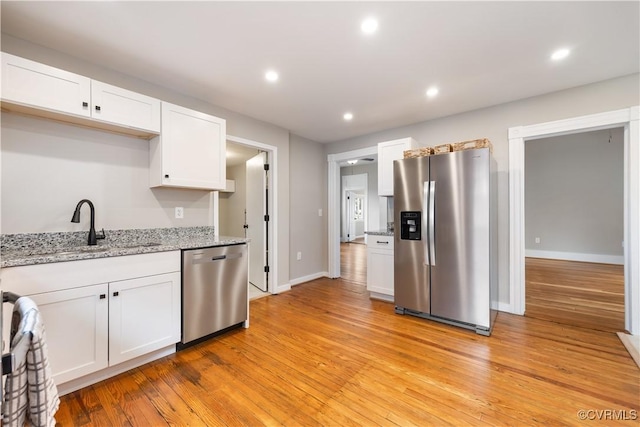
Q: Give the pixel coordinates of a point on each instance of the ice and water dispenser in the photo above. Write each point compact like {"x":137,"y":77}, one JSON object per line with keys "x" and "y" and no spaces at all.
{"x":410,"y":225}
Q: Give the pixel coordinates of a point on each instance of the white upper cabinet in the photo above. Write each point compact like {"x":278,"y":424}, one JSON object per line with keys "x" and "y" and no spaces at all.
{"x":41,"y":90}
{"x":32,"y":84}
{"x":388,"y":152}
{"x":116,"y":105}
{"x":190,"y":151}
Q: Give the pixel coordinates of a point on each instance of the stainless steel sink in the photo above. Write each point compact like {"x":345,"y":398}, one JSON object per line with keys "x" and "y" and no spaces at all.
{"x":80,"y":251}
{"x":88,"y":250}
{"x":143,"y":245}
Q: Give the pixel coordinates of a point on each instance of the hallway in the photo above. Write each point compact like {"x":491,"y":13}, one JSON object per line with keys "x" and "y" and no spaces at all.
{"x":353,"y":262}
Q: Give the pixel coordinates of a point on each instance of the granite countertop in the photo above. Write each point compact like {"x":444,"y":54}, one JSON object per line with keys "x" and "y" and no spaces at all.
{"x":379,"y":233}
{"x":42,"y":248}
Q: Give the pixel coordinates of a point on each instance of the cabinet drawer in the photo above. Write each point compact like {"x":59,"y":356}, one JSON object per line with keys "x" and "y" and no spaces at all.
{"x":379,"y":242}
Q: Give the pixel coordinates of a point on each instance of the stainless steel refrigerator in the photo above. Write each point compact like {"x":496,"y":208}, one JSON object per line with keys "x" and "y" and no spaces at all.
{"x":445,"y":247}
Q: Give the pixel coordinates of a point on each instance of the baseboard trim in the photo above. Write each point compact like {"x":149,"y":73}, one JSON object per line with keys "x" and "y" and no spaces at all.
{"x":87,"y":380}
{"x":501,"y":306}
{"x":310,"y":277}
{"x":281,"y":288}
{"x":575,"y":256}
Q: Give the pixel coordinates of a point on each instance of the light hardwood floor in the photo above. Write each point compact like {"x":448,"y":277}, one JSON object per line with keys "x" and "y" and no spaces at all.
{"x":353,"y":262}
{"x":575,"y":293}
{"x":325,"y":354}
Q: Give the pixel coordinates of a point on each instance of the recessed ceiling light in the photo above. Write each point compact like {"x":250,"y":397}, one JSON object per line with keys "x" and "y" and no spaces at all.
{"x":271,"y":76}
{"x":560,"y":54}
{"x":369,"y":25}
{"x":432,"y":91}
{"x":347,"y":116}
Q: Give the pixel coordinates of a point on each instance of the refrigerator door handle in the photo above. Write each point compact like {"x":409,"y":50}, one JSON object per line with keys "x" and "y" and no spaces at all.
{"x":425,"y":216}
{"x":432,"y":222}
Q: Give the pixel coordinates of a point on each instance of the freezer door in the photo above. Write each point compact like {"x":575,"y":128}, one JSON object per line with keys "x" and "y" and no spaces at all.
{"x":411,"y":287}
{"x":460,"y":275}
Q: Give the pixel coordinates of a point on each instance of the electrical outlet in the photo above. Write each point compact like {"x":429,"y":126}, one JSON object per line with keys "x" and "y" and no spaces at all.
{"x":299,"y":256}
{"x":537,"y":240}
{"x":179,"y":212}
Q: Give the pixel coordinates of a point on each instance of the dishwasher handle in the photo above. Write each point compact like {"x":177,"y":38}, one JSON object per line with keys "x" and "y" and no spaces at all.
{"x":203,"y":260}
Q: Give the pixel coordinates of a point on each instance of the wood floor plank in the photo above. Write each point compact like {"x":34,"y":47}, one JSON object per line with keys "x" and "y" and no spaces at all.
{"x":582,"y":294}
{"x":353,"y":262}
{"x":324,"y":354}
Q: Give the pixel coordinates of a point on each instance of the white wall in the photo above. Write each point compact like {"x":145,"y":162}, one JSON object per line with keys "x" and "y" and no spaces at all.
{"x":308,"y":195}
{"x":494,"y":122}
{"x":233,"y":205}
{"x":574,"y":195}
{"x":128,"y":198}
{"x":47,"y":167}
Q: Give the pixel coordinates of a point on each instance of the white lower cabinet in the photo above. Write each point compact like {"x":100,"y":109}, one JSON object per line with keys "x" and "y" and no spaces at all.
{"x":76,"y":327}
{"x":144,"y":315}
{"x":132,"y":311}
{"x":380,"y":267}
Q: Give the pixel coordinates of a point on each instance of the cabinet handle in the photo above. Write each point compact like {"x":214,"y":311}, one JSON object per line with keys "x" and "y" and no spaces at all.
{"x":97,"y":108}
{"x":103,"y":296}
{"x":115,"y":294}
{"x":166,"y":175}
{"x":378,"y":241}
{"x":85,"y":104}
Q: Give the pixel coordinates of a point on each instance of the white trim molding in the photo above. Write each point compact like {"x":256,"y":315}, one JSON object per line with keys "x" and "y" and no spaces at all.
{"x":310,"y":277}
{"x":575,"y":256}
{"x":628,"y":118}
{"x":333,"y":190}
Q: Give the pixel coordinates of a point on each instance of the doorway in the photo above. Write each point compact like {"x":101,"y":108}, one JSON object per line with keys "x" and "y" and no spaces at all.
{"x":629,"y":119}
{"x":335,"y":163}
{"x":249,"y":211}
{"x":574,"y":267}
{"x":257,"y":219}
{"x":354,"y":209}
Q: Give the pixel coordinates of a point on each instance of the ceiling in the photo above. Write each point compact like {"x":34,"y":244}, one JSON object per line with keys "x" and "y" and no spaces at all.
{"x":477,"y":53}
{"x":238,"y":153}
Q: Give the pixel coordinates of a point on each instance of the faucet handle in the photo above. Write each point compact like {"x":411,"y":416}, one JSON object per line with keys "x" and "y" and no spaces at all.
{"x":98,"y":236}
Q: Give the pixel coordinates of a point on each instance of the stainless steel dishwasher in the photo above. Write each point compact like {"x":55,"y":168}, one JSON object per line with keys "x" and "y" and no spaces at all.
{"x":214,"y":291}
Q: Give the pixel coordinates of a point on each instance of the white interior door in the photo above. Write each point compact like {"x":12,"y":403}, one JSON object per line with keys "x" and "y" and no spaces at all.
{"x":256,"y":224}
{"x":355,"y":215}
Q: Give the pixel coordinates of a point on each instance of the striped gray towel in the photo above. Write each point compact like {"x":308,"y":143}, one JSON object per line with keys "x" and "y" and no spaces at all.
{"x":29,"y":390}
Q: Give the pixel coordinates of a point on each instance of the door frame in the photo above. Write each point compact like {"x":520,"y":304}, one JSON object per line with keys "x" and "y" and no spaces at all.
{"x":334,"y":202}
{"x":627,"y":118}
{"x":272,"y":155}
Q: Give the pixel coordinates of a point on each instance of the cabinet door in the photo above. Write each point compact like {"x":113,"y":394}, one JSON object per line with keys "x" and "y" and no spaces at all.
{"x":75,"y":322}
{"x":190,"y":152}
{"x":144,"y":315}
{"x":388,"y":152}
{"x":120,"y":106}
{"x":32,"y":84}
{"x":380,"y":271}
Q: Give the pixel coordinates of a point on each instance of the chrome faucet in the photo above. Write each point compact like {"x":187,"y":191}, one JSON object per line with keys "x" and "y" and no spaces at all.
{"x":92,"y":229}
